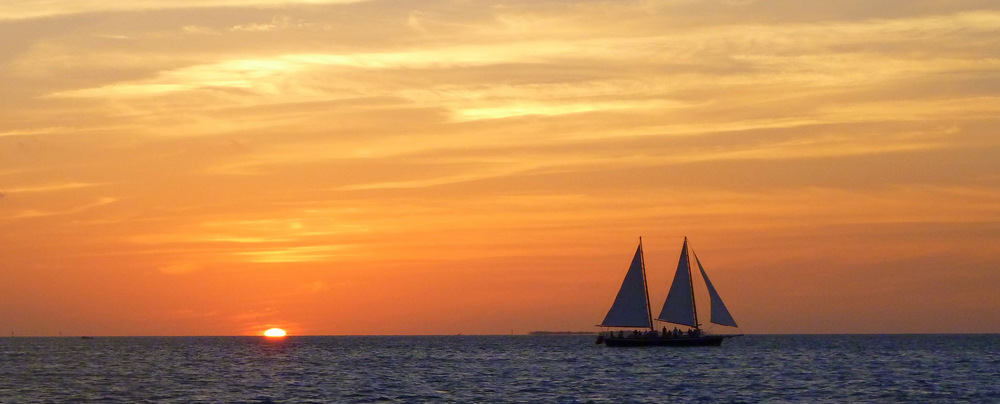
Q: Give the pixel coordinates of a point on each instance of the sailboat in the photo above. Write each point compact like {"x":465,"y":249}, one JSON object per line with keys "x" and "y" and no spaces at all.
{"x":631,"y":309}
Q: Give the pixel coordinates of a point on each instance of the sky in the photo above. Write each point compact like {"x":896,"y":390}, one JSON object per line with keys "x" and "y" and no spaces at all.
{"x":220,"y":167}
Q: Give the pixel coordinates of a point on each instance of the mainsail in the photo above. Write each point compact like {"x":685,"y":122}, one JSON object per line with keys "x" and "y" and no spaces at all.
{"x":720,"y":315}
{"x":679,"y":306}
{"x":631,"y":307}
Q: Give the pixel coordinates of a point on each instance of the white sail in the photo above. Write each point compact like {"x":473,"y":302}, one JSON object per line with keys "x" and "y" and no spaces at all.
{"x":720,"y":314}
{"x":679,"y":306}
{"x":631,"y":307}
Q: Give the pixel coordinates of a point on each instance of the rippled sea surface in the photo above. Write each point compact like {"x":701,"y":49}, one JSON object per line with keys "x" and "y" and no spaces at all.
{"x":809,"y":368}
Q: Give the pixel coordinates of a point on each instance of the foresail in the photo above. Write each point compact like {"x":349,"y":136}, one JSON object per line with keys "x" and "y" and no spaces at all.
{"x":631,"y":309}
{"x":679,"y":306}
{"x":720,"y":315}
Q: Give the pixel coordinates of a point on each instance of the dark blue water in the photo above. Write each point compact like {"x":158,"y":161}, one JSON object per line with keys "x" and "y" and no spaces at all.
{"x":839,"y":368}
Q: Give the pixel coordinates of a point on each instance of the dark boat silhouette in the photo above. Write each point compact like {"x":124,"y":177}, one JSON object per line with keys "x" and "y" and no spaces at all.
{"x":631,"y":309}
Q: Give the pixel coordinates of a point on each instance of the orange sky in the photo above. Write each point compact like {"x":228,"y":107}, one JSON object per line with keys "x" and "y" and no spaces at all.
{"x":219,"y":167}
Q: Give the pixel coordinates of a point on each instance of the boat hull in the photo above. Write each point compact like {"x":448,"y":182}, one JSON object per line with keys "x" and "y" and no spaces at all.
{"x":705,"y":340}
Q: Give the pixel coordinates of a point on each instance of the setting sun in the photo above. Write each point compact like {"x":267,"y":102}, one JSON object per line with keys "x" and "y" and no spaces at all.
{"x":274,"y":333}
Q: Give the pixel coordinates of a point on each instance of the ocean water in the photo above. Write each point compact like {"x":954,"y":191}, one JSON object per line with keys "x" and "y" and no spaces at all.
{"x":558,"y":368}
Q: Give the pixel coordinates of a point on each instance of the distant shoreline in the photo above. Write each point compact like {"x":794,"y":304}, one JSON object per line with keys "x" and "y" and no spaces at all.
{"x":561,"y":333}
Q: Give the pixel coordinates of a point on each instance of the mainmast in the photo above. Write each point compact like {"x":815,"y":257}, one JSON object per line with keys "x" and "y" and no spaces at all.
{"x":694,"y":307}
{"x":645,"y":285}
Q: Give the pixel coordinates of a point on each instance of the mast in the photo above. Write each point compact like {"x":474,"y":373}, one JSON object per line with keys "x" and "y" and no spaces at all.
{"x":645,"y":285}
{"x":694,"y":307}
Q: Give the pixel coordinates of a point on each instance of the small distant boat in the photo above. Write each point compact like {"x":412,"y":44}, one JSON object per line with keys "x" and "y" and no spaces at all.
{"x":631,"y":309}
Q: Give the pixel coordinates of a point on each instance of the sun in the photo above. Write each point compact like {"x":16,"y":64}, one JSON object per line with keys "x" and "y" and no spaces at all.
{"x":274,"y":333}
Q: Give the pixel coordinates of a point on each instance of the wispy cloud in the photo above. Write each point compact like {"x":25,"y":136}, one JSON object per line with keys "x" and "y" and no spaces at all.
{"x":34,"y":132}
{"x":52,"y":187}
{"x":21,"y":9}
{"x":795,"y":60}
{"x":298,"y":254}
{"x":36,"y":213}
